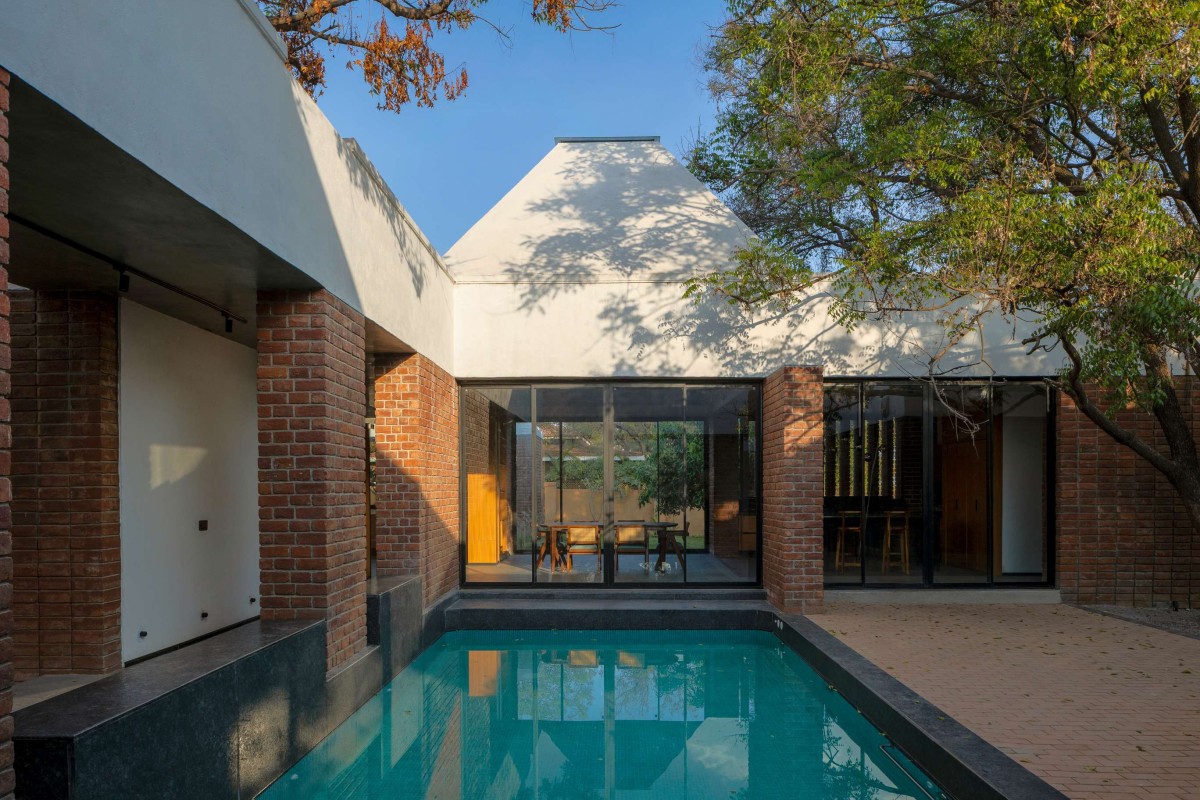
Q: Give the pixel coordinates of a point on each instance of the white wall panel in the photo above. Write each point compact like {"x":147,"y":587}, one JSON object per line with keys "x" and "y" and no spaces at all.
{"x":188,"y":452}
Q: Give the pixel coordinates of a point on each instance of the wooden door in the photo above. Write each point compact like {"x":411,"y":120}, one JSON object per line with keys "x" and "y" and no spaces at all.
{"x":964,"y":505}
{"x":483,"y":521}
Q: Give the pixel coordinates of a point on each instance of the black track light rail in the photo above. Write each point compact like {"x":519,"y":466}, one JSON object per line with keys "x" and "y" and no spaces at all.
{"x":125,"y":270}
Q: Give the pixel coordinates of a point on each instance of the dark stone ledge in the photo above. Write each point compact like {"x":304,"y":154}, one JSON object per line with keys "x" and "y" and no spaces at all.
{"x":218,"y":719}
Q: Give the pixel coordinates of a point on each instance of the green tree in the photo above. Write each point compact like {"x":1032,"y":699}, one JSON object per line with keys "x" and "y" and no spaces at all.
{"x":1038,"y":159}
{"x":671,"y":473}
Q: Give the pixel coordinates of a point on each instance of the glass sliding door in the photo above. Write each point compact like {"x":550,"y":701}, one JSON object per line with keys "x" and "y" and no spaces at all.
{"x":936,"y":483}
{"x":723,"y":496}
{"x":961,"y":501}
{"x":497,"y":440}
{"x":891,"y":482}
{"x":572,"y":472}
{"x":601,"y":483}
{"x":842,"y":452}
{"x":658,"y":483}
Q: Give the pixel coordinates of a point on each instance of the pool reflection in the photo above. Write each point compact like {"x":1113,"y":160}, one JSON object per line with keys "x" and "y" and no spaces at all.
{"x":543,"y":715}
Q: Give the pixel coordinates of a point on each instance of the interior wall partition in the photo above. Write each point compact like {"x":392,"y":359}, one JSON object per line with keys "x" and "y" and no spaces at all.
{"x":938,"y":483}
{"x":630,"y":483}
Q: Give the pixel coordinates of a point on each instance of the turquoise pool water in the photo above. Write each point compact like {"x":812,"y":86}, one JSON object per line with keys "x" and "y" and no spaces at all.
{"x":594,"y":715}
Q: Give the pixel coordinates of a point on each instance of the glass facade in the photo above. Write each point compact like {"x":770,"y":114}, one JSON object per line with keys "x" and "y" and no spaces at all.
{"x":626,"y":483}
{"x":940,"y":483}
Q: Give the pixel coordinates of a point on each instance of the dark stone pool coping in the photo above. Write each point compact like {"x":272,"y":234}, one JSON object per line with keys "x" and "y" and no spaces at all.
{"x":963,"y":764}
{"x":221,"y":718}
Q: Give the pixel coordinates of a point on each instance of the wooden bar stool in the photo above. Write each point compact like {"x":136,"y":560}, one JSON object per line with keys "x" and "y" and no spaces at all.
{"x":843,"y":557}
{"x":895,"y":548}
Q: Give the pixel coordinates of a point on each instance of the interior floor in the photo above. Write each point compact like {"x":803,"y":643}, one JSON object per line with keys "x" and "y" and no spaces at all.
{"x":701,"y":568}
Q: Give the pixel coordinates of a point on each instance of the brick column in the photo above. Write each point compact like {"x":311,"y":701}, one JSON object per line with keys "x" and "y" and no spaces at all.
{"x":416,"y":472}
{"x":66,"y":504}
{"x":792,"y":492}
{"x":312,"y":459}
{"x":1123,"y":536}
{"x":7,"y":778}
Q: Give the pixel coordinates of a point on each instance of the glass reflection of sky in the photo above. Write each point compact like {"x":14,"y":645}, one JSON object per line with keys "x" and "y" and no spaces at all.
{"x":580,"y":715}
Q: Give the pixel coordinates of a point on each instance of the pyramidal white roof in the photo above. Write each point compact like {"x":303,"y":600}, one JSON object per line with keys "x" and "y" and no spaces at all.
{"x":601,"y":210}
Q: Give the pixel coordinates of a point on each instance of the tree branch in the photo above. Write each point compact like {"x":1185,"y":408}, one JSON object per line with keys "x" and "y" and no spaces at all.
{"x":1078,"y":392}
{"x":1160,"y":127}
{"x":1169,"y":412}
{"x":321,"y":8}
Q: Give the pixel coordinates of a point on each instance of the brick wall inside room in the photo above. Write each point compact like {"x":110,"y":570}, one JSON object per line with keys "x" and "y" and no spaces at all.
{"x":792,"y":494}
{"x":416,"y":472}
{"x":66,"y":508}
{"x":1122,"y":536}
{"x":724,"y":499}
{"x":7,"y":778}
{"x":524,"y":505}
{"x":312,"y":465}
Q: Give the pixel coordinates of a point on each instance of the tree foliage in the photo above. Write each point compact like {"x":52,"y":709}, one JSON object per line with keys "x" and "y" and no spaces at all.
{"x":663,"y":462}
{"x":671,"y":474}
{"x":1038,"y":159}
{"x":391,"y":41}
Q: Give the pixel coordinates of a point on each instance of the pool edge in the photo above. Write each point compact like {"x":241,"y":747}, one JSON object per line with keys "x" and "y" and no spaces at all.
{"x":965,"y":765}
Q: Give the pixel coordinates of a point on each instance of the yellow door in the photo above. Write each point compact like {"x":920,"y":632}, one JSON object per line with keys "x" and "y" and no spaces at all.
{"x":483,"y":523}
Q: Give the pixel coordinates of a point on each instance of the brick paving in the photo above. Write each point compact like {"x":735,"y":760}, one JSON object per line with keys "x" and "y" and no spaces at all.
{"x":1098,"y":707}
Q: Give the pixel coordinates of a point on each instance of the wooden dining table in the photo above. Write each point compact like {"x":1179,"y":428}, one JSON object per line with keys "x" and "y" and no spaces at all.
{"x":666,"y":539}
{"x":548,"y":533}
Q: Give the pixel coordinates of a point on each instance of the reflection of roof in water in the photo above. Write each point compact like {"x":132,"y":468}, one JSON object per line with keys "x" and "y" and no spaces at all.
{"x":643,"y":748}
{"x":599,"y":211}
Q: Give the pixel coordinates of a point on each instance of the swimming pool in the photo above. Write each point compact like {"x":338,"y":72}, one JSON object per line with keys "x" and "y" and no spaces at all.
{"x":576,"y":715}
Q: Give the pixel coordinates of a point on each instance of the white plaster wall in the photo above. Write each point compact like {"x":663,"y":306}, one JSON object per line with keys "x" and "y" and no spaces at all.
{"x":195,"y":91}
{"x":188,"y":452}
{"x":648,"y":329}
{"x":1021,"y":496}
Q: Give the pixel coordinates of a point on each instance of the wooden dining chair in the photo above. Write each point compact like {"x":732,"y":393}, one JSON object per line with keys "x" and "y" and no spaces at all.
{"x":632,"y":537}
{"x":583,"y":540}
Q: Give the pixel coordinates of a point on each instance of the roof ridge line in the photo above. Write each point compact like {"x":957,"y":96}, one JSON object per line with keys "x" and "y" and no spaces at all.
{"x":586,"y":139}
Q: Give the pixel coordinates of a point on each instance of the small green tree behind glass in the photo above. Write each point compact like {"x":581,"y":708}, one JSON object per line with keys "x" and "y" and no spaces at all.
{"x":671,"y":476}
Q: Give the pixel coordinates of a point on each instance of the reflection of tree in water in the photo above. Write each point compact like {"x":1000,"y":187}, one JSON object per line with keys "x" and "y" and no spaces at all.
{"x":574,"y":782}
{"x":686,"y":675}
{"x":851,"y":777}
{"x":581,"y":692}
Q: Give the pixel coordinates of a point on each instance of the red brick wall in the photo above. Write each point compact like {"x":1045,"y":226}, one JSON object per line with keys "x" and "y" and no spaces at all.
{"x":6,"y":566}
{"x":1123,"y":537}
{"x":397,"y":495}
{"x":65,"y":506}
{"x":792,"y":494}
{"x":312,"y":458}
{"x":416,"y":471}
{"x":476,"y":449}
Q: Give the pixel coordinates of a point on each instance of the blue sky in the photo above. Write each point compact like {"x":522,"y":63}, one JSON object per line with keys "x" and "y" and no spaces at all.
{"x":450,"y":164}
